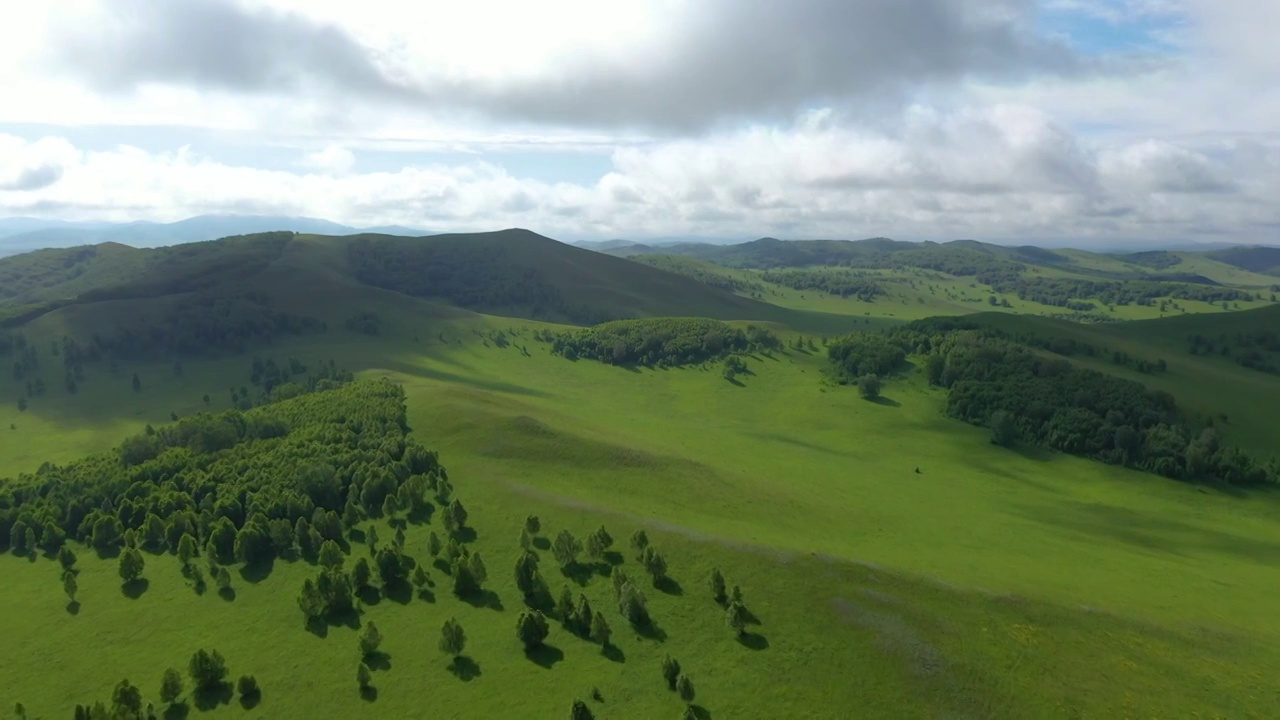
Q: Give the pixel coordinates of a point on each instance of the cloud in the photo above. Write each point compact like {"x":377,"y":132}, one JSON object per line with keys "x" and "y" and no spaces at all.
{"x":998,"y":172}
{"x":716,"y":59}
{"x":27,"y":166}
{"x":332,"y":158}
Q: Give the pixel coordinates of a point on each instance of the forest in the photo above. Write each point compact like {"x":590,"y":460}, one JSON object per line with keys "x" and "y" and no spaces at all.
{"x":835,"y":281}
{"x":36,"y":283}
{"x":1069,"y":292}
{"x":1026,"y":398}
{"x":660,"y":342}
{"x":1257,"y":350}
{"x":470,"y":275}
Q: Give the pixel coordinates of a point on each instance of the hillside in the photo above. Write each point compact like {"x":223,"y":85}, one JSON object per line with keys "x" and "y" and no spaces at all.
{"x":1264,"y":260}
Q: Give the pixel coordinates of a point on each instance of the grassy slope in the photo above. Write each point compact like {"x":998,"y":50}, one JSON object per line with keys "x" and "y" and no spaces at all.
{"x":753,"y":479}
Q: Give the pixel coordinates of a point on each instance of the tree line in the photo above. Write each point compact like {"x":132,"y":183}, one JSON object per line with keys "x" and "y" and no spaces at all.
{"x":659,"y":342}
{"x":1073,"y":293}
{"x":1024,"y":397}
{"x":833,"y":281}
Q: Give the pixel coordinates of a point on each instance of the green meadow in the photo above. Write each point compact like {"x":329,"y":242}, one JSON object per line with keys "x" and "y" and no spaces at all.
{"x":898,"y":564}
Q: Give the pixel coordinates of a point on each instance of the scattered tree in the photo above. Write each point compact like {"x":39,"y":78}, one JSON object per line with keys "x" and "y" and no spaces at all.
{"x":736,"y":616}
{"x":532,"y":525}
{"x":331,"y":555}
{"x":131,"y":564}
{"x":717,"y":586}
{"x":434,"y":546}
{"x":452,"y":638}
{"x":455,"y":517}
{"x":370,"y":640}
{"x":363,"y":677}
{"x":566,"y":548}
{"x":600,"y":631}
{"x":655,"y":565}
{"x":208,"y":670}
{"x":66,"y":558}
{"x":580,"y":711}
{"x":126,"y":701}
{"x":670,"y":671}
{"x":639,"y":541}
{"x":69,"y":585}
{"x":532,"y":629}
{"x":869,"y":386}
{"x":248,"y":688}
{"x":684,"y":686}
{"x":170,"y":686}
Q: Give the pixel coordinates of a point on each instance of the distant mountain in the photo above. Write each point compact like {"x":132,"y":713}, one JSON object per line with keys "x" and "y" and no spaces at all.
{"x":19,"y":235}
{"x":1257,"y":259}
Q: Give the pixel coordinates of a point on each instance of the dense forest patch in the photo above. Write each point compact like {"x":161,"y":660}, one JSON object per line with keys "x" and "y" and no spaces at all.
{"x":468,"y":274}
{"x":660,"y":342}
{"x":834,"y":281}
{"x":1025,"y":397}
{"x":1074,"y":293}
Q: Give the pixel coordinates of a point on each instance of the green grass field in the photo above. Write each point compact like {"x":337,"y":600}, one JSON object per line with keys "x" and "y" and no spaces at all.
{"x":900,"y":565}
{"x":992,"y":584}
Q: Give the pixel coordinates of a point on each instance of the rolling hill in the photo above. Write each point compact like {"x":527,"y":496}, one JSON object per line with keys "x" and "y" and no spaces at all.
{"x":895,"y":562}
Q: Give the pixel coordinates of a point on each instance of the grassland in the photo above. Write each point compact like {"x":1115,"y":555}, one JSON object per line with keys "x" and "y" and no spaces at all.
{"x":991,"y":584}
{"x":900,"y":565}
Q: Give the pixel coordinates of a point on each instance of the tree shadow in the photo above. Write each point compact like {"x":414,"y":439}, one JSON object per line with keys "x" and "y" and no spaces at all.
{"x":464,"y":668}
{"x":484,"y":599}
{"x":882,"y":400}
{"x":441,"y":564}
{"x":669,"y":586}
{"x":378,"y":661}
{"x":542,"y":543}
{"x":735,"y":382}
{"x":701,"y":712}
{"x":613,"y":557}
{"x":258,"y":571}
{"x":398,"y":591}
{"x":652,"y":631}
{"x":227,"y":593}
{"x":422,"y":515}
{"x":369,"y":693}
{"x":545,"y":655}
{"x":208,"y":699}
{"x":465,"y":535}
{"x":579,"y":573}
{"x":753,"y":641}
{"x":357,"y":536}
{"x":110,"y":553}
{"x":613,"y":653}
{"x":134,"y":588}
{"x":369,"y":595}
{"x":426,"y":595}
{"x":318,"y":627}
{"x":73,"y":607}
{"x":177,"y":711}
{"x":251,"y":701}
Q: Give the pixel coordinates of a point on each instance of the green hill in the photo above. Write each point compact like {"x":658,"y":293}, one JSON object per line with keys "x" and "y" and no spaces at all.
{"x":893,"y":561}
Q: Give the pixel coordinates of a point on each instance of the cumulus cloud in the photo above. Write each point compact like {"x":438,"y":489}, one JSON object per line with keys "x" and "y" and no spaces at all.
{"x":718,"y":58}
{"x":332,"y":158}
{"x":26,"y":167}
{"x":997,"y":172}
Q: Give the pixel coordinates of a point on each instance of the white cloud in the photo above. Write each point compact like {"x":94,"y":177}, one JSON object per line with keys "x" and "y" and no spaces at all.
{"x":333,"y":159}
{"x":998,"y":172}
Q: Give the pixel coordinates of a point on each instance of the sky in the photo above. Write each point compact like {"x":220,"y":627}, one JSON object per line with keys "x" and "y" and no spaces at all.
{"x":1001,"y":120}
